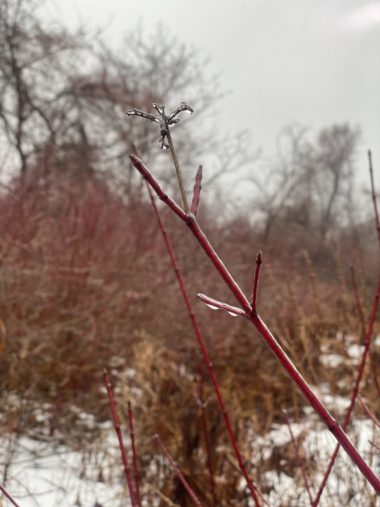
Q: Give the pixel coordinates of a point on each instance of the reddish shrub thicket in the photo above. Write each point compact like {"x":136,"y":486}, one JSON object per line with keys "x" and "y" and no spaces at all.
{"x":85,"y":284}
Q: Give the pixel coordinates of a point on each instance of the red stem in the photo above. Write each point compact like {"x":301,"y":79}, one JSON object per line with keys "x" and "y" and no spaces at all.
{"x":256,"y":280}
{"x":206,"y":358}
{"x":134,"y":455}
{"x":178,"y":472}
{"x":6,"y":494}
{"x":301,"y":463}
{"x":261,"y":327}
{"x":119,"y":434}
{"x":354,"y":393}
{"x":207,"y":443}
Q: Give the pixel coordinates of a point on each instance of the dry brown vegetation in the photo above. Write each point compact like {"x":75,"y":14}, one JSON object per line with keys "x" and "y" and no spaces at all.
{"x":86,"y":284}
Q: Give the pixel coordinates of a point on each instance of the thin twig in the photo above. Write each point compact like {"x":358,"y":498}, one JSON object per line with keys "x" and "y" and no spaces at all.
{"x":178,"y":171}
{"x":374,"y":445}
{"x":256,"y":280}
{"x":134,"y":454}
{"x":301,"y":463}
{"x":214,"y":304}
{"x":369,"y":412}
{"x":196,"y":191}
{"x":207,"y":443}
{"x":206,"y":358}
{"x":119,"y":434}
{"x":7,"y":495}
{"x":178,"y":472}
{"x":263,"y":330}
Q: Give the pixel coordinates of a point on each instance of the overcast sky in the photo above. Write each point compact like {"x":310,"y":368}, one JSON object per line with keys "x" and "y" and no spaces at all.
{"x":301,"y":61}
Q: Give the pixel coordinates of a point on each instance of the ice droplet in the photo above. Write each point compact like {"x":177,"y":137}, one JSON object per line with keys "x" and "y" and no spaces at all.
{"x":212,"y":307}
{"x":233,"y":314}
{"x":186,"y":108}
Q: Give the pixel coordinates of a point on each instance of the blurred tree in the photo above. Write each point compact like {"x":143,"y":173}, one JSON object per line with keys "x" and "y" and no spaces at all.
{"x":64,"y":93}
{"x":310,"y":184}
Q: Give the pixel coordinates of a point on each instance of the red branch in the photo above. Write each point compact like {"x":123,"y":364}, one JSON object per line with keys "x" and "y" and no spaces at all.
{"x":197,"y":191}
{"x":207,"y":443}
{"x":256,"y":280}
{"x":134,"y":454}
{"x":206,"y":358}
{"x":178,"y":472}
{"x":6,"y":494}
{"x":263,"y":330}
{"x":119,"y":434}
{"x":355,"y":390}
{"x":301,"y":463}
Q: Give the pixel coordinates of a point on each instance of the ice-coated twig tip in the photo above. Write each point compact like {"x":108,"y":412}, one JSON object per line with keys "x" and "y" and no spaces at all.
{"x":165,"y":121}
{"x":214,"y":304}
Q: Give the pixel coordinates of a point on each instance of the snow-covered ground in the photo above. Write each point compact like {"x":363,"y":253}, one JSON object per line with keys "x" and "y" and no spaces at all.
{"x":40,"y":472}
{"x":44,"y":474}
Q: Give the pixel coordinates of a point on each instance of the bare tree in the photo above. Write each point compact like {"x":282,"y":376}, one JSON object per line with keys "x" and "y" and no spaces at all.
{"x":310,"y":183}
{"x":63,"y":96}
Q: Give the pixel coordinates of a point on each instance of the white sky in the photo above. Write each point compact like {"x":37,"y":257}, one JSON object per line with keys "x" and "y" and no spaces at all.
{"x":300,"y":61}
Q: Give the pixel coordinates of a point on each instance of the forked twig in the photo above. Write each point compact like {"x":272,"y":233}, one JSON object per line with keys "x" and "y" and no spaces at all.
{"x":178,"y":472}
{"x":261,"y":327}
{"x":119,"y":434}
{"x":165,"y":122}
